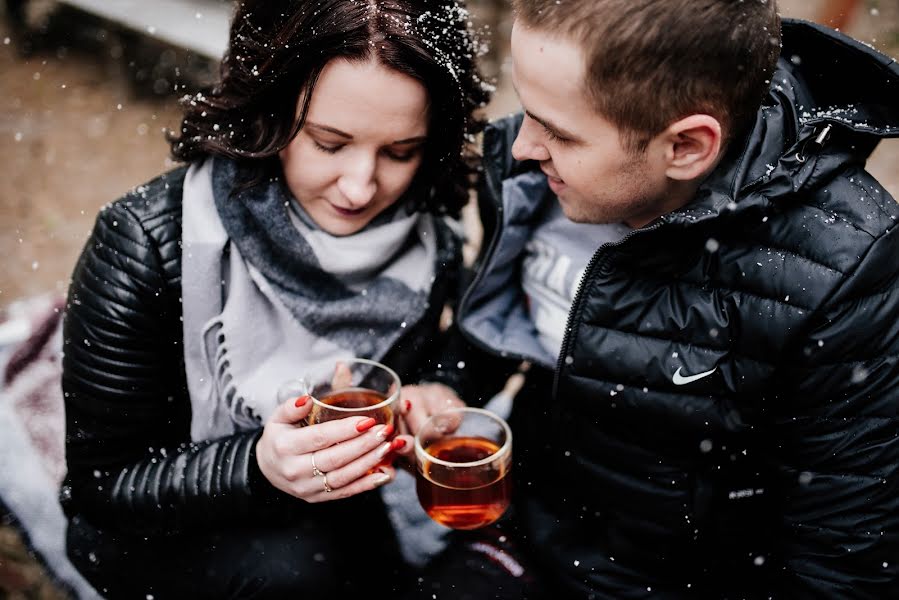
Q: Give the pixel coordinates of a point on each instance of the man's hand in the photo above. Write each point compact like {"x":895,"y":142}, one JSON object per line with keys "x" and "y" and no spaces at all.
{"x":419,"y":402}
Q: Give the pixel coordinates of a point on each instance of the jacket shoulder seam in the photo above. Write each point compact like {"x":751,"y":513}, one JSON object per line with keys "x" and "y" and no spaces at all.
{"x":767,"y":245}
{"x":152,"y":245}
{"x":855,"y":226}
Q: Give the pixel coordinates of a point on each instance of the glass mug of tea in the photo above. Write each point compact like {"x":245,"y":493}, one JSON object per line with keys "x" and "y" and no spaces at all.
{"x":463,"y":457}
{"x":357,"y":387}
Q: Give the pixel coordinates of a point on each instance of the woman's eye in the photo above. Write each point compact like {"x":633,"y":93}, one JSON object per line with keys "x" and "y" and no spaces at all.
{"x":402,"y":156}
{"x":328,"y":149}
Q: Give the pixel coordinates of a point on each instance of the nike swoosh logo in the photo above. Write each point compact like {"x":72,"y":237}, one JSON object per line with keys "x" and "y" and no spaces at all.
{"x":679,"y":379}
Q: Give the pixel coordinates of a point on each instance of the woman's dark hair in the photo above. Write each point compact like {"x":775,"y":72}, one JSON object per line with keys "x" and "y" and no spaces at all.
{"x":278,"y":48}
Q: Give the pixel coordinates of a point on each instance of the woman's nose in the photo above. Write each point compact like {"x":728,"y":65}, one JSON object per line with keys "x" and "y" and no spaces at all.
{"x":357,"y":183}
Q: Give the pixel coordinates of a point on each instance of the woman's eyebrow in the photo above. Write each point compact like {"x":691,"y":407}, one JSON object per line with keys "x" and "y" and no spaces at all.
{"x":338,"y":132}
{"x":412,"y":140}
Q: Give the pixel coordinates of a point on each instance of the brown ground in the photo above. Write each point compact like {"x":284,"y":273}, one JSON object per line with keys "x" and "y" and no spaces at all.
{"x":74,"y":135}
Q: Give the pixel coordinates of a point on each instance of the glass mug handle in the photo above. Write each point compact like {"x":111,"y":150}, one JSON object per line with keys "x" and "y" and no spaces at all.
{"x":294,"y":388}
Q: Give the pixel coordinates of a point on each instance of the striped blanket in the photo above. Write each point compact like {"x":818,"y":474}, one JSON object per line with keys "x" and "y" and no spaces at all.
{"x":32,"y":454}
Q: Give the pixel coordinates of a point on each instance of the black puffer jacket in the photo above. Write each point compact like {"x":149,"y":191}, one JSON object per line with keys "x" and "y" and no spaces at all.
{"x":723,"y":420}
{"x":130,"y":461}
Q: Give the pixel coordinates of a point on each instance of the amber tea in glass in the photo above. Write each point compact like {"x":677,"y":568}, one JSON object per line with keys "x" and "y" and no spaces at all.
{"x":463,"y":458}
{"x":357,"y":387}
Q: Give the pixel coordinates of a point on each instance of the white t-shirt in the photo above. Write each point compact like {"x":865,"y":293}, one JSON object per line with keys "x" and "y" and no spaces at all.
{"x":554,"y":262}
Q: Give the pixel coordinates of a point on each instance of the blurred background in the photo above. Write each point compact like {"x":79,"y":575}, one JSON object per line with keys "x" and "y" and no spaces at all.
{"x":87,"y":92}
{"x":88,"y":88}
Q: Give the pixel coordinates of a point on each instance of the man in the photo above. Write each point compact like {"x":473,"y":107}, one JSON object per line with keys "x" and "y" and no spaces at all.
{"x":712,"y":408}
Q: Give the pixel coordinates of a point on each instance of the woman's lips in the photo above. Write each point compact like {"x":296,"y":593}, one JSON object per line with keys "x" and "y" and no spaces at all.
{"x":348,"y":212}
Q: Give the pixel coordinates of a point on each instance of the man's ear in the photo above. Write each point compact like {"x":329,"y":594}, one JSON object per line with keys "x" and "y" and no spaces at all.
{"x":692,"y":147}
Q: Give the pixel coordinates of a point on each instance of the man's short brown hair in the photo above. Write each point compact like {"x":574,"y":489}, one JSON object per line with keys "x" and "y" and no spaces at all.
{"x":652,"y":62}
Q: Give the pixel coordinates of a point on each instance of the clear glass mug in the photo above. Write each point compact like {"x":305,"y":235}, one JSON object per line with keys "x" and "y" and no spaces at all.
{"x":357,"y":387}
{"x":463,"y":457}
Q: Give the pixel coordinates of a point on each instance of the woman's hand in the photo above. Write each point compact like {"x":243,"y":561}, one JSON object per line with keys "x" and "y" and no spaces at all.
{"x":326,"y":461}
{"x":419,"y":402}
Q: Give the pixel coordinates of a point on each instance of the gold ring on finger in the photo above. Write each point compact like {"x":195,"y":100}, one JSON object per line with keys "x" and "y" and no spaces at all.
{"x":325,"y":485}
{"x":316,"y":472}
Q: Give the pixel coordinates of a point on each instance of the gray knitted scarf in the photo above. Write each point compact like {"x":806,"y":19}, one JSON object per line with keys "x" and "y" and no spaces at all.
{"x":270,"y":297}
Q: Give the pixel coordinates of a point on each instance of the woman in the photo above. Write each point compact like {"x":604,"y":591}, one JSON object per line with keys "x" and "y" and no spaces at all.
{"x":306,"y":227}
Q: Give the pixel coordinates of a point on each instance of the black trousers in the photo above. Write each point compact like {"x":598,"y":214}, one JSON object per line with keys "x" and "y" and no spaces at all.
{"x":335,"y":555}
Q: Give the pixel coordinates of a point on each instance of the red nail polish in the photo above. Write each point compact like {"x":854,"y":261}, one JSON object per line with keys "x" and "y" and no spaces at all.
{"x":366,"y":424}
{"x":397,"y":444}
{"x":387,"y":431}
{"x":408,"y":405}
{"x":383,"y":477}
{"x":301,"y":401}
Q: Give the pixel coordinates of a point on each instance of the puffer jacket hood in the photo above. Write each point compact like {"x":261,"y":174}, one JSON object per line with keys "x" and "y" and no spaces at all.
{"x":808,"y":127}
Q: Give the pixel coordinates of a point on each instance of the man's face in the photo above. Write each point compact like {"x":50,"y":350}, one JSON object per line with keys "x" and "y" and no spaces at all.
{"x":596,"y":179}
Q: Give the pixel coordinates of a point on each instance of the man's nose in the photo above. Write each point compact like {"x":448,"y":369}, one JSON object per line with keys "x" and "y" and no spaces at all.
{"x":528,"y":145}
{"x":357,"y":183}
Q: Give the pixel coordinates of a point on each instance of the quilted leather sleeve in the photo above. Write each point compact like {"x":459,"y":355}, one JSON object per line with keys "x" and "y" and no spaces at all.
{"x":128,"y":451}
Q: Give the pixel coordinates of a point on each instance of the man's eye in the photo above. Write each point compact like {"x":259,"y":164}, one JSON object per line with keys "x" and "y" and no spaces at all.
{"x":553,"y":137}
{"x":328,"y":149}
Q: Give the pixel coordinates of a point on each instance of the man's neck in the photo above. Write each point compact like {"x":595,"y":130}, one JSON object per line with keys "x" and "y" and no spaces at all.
{"x":678,"y":194}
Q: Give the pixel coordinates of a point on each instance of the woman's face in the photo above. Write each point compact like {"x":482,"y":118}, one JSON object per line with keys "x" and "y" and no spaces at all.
{"x":360,"y":146}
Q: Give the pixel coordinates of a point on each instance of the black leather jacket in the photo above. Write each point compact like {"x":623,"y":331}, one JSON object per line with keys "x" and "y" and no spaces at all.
{"x":723,"y":419}
{"x":131,"y":464}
